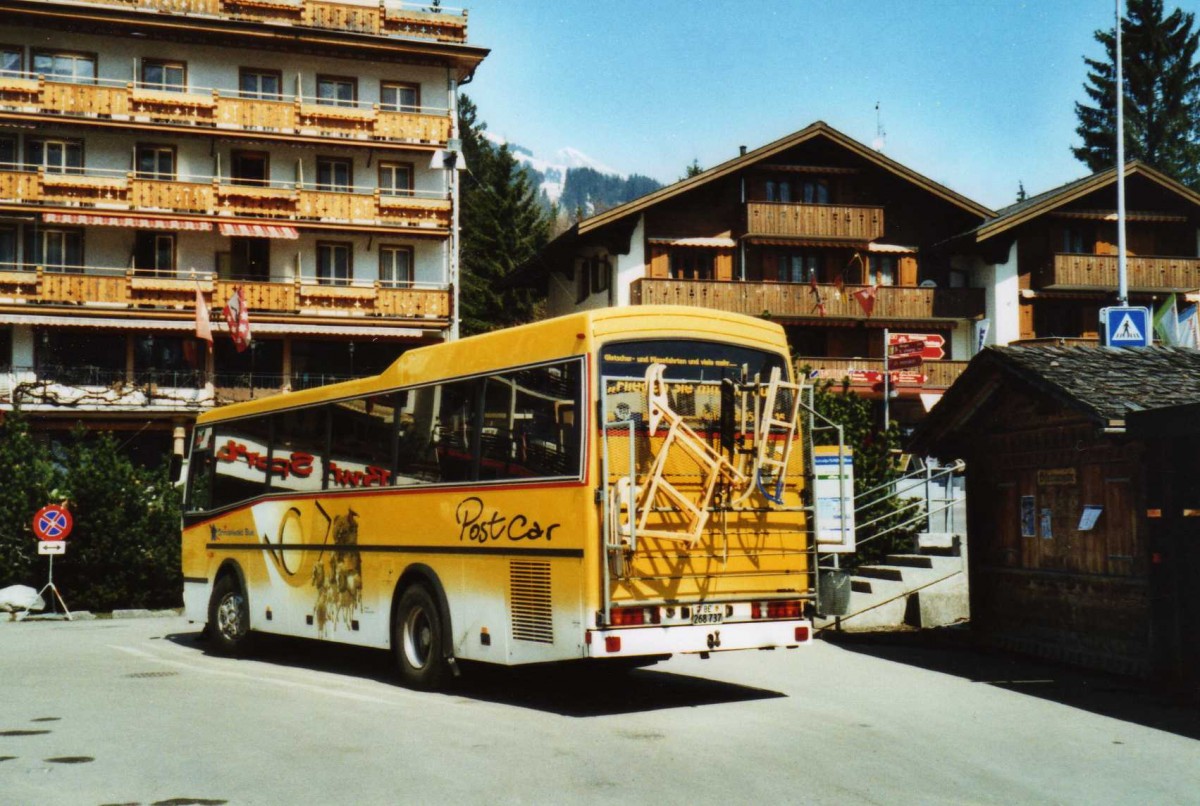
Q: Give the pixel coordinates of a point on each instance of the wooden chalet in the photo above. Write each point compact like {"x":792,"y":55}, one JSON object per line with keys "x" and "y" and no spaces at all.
{"x":1049,"y":263}
{"x":799,"y":231}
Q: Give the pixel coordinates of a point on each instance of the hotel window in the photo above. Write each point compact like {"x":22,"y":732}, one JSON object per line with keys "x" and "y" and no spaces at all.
{"x":337,"y":91}
{"x":154,"y":252}
{"x":334,"y":174}
{"x":155,"y":162}
{"x":79,"y":68}
{"x":397,"y":97}
{"x":164,"y":75}
{"x":396,"y":266}
{"x":55,"y":249}
{"x":12,"y":60}
{"x":8,"y":249}
{"x":883,"y":269}
{"x":250,"y":168}
{"x":250,"y":258}
{"x":256,"y":83}
{"x":333,"y":263}
{"x":798,"y":267}
{"x":691,"y":264}
{"x":56,"y":156}
{"x":395,"y":178}
{"x":8,"y":152}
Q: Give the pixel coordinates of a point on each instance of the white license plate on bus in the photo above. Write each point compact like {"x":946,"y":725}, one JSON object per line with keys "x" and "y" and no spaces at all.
{"x":708,"y":614}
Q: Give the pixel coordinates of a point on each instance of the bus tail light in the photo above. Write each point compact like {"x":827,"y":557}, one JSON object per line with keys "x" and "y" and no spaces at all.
{"x":612,"y":643}
{"x":634,"y":616}
{"x":801,"y":634}
{"x":775,"y":610}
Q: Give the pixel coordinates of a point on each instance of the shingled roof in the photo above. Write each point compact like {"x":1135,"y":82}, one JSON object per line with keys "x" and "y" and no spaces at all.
{"x":1104,"y":383}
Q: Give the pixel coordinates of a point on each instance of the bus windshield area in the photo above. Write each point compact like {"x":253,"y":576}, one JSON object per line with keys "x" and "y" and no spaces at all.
{"x":688,"y":360}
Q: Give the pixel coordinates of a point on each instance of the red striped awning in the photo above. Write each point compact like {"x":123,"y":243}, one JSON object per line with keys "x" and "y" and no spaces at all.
{"x":132,"y":222}
{"x":258,"y":231}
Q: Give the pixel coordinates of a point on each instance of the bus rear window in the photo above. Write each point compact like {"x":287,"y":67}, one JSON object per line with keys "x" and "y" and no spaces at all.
{"x":687,"y":360}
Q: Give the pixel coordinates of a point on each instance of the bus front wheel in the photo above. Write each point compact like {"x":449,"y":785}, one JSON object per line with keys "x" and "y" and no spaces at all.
{"x":229,"y":617}
{"x":417,"y":639}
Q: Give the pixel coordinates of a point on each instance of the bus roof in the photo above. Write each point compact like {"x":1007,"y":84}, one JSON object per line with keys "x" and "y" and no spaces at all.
{"x":573,"y":334}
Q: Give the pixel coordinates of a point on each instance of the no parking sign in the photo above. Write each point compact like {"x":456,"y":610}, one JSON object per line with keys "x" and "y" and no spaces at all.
{"x":52,"y":523}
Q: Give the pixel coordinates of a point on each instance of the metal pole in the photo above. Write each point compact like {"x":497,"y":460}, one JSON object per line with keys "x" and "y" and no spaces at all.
{"x":1122,"y":277}
{"x":887,"y":383}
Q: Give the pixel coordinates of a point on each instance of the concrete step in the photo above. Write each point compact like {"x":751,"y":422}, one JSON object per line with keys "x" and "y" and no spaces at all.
{"x":859,"y":585}
{"x":939,"y":540}
{"x":881,"y":572}
{"x":910,"y":560}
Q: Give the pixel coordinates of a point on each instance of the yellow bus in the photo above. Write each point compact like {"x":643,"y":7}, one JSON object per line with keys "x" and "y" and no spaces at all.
{"x":621,"y":484}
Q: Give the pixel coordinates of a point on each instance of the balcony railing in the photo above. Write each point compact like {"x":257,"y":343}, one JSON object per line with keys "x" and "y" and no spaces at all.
{"x":113,"y":191}
{"x":796,"y":301}
{"x":225,"y":111}
{"x":116,"y":288}
{"x":1099,"y":272}
{"x":382,"y":19}
{"x":826,"y":221}
{"x":937,"y":374}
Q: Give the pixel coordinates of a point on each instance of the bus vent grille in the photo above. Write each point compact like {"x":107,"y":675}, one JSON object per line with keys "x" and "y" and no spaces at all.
{"x":529,"y":601}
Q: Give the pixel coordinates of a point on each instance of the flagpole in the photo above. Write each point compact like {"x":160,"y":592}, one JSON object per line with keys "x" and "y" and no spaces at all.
{"x":1122,"y":277}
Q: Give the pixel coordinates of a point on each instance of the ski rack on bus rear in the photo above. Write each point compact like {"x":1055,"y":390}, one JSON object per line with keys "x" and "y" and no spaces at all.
{"x":769,"y":416}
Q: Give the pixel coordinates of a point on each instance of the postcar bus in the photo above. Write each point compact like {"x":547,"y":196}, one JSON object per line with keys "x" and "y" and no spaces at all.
{"x":621,"y":484}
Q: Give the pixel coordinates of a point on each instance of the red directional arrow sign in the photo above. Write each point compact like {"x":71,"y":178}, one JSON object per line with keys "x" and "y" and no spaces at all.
{"x":934,"y":343}
{"x":52,"y":522}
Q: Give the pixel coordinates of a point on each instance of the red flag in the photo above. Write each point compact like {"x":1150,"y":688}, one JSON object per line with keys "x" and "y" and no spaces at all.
{"x":866,"y":298}
{"x":238,"y":319}
{"x":203,"y":325}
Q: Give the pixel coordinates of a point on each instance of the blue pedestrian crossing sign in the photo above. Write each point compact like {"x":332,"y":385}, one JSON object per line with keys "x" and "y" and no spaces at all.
{"x":1126,"y":326}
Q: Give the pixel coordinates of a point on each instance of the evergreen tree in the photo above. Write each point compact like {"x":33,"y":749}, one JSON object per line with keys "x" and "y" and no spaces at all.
{"x":1021,"y":194}
{"x":693,"y":170}
{"x":1162,"y":94}
{"x":30,"y":482}
{"x":502,"y":227}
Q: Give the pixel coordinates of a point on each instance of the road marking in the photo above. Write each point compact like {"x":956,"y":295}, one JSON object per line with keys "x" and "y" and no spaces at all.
{"x":270,"y":678}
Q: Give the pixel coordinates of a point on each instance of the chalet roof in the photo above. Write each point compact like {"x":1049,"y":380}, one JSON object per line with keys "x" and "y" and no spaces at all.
{"x":1103,"y":383}
{"x":1034,"y":206}
{"x":814,"y":130}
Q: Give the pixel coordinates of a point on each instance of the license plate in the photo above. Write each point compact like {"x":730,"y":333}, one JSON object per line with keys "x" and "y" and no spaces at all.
{"x":708,"y":613}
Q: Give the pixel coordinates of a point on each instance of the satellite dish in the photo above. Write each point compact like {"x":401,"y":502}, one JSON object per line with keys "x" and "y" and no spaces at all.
{"x":928,"y":284}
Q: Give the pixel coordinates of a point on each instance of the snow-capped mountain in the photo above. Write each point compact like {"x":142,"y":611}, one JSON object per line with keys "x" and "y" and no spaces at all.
{"x":554,"y":171}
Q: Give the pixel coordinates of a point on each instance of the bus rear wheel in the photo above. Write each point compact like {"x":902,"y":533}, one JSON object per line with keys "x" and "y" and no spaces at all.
{"x":417,"y":640}
{"x":229,"y":617}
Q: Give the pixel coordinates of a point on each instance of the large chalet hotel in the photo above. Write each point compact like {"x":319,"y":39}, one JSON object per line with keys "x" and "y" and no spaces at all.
{"x":294,"y":149}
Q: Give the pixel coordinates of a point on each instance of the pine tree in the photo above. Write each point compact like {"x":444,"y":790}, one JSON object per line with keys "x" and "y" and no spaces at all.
{"x":502,"y":227}
{"x":1162,"y":94}
{"x":30,"y":482}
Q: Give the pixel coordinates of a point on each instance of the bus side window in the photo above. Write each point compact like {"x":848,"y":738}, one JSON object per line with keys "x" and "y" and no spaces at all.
{"x":200,"y":467}
{"x":455,"y":431}
{"x":529,"y":423}
{"x":240,"y":458}
{"x":298,"y":449}
{"x":362,"y":442}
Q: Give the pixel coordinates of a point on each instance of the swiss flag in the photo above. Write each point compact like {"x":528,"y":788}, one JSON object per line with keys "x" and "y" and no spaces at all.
{"x":203,"y":325}
{"x":238,"y":319}
{"x":866,"y":298}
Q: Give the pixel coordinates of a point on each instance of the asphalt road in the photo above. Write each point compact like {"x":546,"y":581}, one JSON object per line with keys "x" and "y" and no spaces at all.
{"x":138,"y":712}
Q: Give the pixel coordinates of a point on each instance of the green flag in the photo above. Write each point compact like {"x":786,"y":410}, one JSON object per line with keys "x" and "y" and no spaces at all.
{"x":1166,"y":323}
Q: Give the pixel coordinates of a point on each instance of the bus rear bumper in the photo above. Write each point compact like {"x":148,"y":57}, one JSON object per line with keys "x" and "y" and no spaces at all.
{"x":694,"y":638}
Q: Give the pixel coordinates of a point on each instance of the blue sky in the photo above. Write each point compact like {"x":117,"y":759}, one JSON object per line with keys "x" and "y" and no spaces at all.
{"x":975,"y":94}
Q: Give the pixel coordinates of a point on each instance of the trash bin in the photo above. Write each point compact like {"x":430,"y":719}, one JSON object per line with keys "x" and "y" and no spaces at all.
{"x":833,"y":597}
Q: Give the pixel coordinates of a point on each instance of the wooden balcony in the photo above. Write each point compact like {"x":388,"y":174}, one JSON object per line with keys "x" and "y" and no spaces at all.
{"x":129,"y":192}
{"x":835,"y":222}
{"x":790,"y":301}
{"x":1099,"y":273}
{"x":216,"y":113}
{"x":145,"y":292}
{"x":379,"y":20}
{"x":937,"y":374}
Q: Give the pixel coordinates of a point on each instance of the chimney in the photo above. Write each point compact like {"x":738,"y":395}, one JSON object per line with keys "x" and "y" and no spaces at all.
{"x":742,"y":151}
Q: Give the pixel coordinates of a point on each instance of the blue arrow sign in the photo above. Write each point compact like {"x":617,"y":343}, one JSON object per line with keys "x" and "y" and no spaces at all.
{"x":1126,"y":326}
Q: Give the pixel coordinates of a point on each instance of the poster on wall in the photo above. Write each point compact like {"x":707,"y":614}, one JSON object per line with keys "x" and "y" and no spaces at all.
{"x":1047,"y":531}
{"x":833,"y":489}
{"x":1028,"y":517}
{"x":1091,"y":514}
